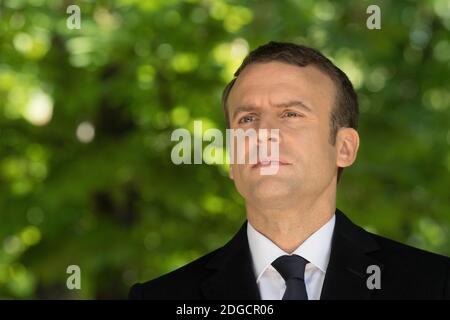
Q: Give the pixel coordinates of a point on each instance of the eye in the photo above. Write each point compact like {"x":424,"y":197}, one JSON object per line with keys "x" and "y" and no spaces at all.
{"x":246,"y":119}
{"x":291,"y":114}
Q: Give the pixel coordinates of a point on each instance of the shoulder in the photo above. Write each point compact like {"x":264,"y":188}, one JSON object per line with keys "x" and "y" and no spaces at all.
{"x":182,"y":283}
{"x":412,"y":269}
{"x":390,"y":252}
{"x":393,"y":251}
{"x":405,"y":271}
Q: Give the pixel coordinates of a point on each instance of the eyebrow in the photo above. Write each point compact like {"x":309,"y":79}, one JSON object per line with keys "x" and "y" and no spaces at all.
{"x":292,"y":103}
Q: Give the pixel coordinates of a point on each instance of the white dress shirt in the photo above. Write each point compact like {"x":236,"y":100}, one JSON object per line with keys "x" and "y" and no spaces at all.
{"x":316,"y":249}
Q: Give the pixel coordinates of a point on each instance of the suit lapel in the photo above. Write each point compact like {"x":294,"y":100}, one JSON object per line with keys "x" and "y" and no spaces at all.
{"x":234,"y":277}
{"x":346,"y":276}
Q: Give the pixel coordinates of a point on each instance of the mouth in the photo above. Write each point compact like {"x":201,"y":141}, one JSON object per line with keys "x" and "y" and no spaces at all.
{"x":268,"y":163}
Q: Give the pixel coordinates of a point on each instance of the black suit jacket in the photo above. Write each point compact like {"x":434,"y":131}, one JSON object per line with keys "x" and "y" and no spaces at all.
{"x":227,"y":273}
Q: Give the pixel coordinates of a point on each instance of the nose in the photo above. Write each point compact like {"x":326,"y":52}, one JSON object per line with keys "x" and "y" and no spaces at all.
{"x":268,"y":136}
{"x":268,"y":131}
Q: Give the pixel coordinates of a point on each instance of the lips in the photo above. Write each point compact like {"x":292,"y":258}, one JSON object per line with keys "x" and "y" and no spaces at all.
{"x":270,"y":162}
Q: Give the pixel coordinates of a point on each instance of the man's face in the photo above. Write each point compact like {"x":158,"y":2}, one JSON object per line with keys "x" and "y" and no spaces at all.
{"x":298,"y":102}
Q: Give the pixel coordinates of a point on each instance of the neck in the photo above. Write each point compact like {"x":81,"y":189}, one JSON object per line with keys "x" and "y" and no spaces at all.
{"x":288,"y":227}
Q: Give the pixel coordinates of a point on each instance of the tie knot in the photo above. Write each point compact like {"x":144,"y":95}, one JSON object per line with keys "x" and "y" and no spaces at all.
{"x":291,"y":267}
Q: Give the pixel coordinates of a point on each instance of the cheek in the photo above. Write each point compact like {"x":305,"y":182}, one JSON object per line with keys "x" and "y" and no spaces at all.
{"x":239,"y":180}
{"x":243,"y":150}
{"x":301,"y":142}
{"x":236,"y":173}
{"x":311,"y":147}
{"x":324,"y":156}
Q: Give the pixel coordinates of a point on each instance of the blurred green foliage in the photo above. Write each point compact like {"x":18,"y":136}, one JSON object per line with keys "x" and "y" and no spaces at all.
{"x":86,"y":117}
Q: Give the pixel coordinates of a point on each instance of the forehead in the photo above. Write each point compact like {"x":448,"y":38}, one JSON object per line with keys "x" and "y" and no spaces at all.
{"x":275,"y":82}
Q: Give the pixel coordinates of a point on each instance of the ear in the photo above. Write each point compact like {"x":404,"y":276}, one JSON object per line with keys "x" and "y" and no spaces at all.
{"x":347,"y":144}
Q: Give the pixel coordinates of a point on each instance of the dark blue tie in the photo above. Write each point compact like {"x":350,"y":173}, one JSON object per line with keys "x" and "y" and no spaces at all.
{"x":292,"y":269}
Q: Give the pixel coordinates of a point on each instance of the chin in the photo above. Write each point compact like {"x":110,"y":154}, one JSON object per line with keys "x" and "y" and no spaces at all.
{"x":272,"y":188}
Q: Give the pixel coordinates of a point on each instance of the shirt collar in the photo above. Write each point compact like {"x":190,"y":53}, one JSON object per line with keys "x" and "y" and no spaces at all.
{"x":316,"y":249}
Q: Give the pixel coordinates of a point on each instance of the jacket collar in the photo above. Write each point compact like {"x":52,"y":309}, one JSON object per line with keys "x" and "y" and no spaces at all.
{"x":345,"y":278}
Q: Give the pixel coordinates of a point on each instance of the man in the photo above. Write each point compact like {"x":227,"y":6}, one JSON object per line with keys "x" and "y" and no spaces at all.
{"x":296,"y":243}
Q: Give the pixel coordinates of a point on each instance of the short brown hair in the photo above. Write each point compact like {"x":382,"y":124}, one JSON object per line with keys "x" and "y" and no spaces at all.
{"x":345,"y":112}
